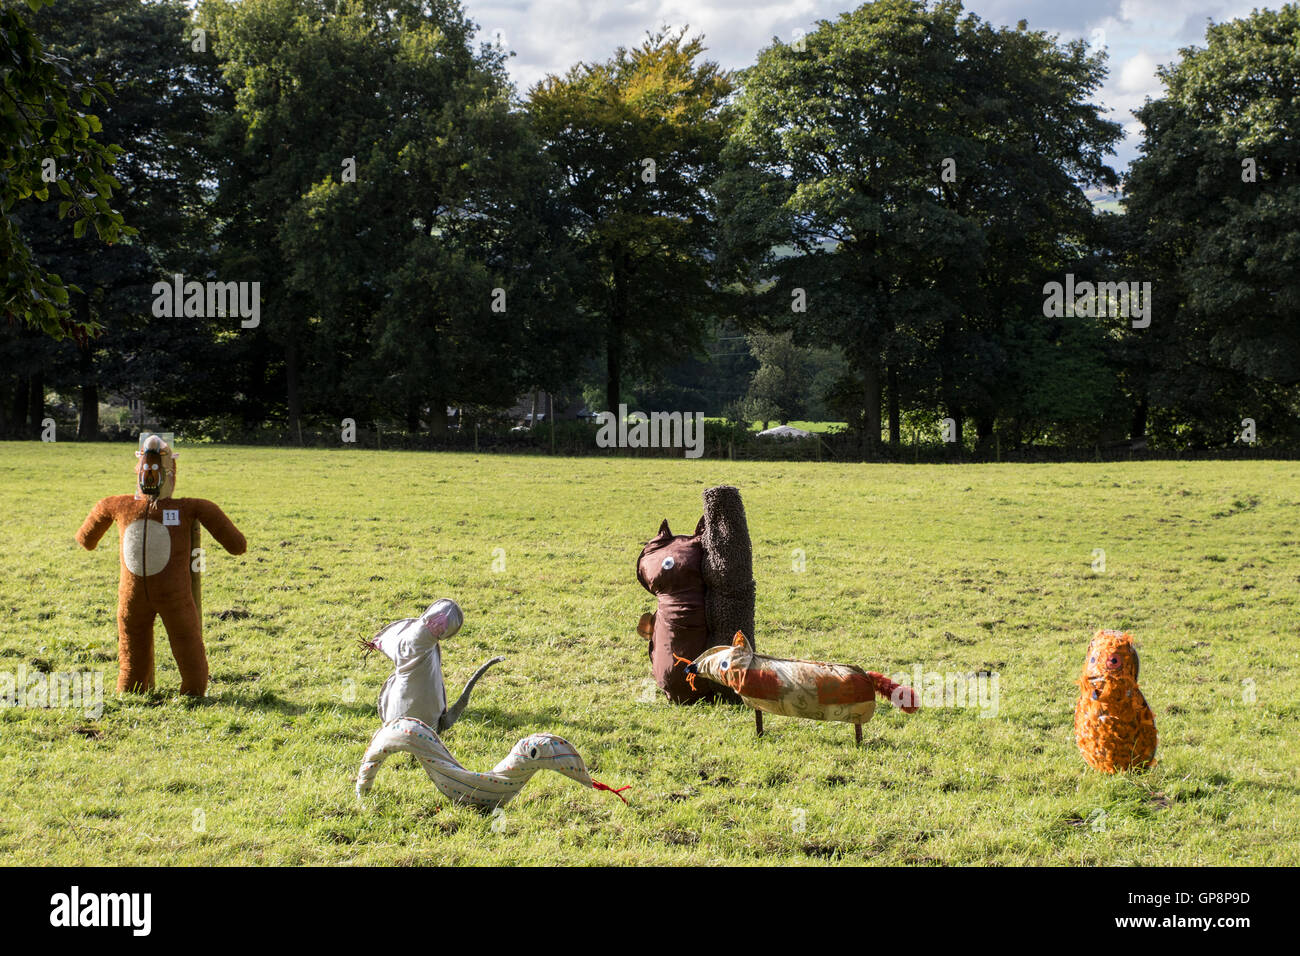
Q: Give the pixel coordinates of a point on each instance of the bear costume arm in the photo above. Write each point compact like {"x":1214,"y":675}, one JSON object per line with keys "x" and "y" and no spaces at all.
{"x":97,"y":522}
{"x":219,"y":526}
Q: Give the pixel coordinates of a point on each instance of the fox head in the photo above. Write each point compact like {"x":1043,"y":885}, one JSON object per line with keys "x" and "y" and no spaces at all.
{"x":672,"y":563}
{"x":719,"y":663}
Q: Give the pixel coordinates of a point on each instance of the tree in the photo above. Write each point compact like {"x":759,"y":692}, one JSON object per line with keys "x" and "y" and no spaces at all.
{"x":779,"y":387}
{"x":163,"y":94}
{"x":394,"y":204}
{"x":638,"y":140}
{"x":45,"y":140}
{"x":898,"y":180}
{"x":1215,"y":197}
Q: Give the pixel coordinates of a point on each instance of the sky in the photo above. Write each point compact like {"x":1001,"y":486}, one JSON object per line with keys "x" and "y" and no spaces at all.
{"x":549,"y":36}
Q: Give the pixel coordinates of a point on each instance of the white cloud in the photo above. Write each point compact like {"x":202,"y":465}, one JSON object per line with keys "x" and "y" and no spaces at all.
{"x":549,"y":36}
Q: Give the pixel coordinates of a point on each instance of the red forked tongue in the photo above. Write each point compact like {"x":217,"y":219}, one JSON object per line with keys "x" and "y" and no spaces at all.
{"x":618,"y":793}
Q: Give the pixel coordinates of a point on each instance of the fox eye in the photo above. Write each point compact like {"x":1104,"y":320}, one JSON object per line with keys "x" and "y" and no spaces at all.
{"x":724,"y":665}
{"x":669,"y":563}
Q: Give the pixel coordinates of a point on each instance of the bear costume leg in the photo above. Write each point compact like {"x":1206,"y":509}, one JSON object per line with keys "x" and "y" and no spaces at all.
{"x":135,"y":646}
{"x":183,"y":632}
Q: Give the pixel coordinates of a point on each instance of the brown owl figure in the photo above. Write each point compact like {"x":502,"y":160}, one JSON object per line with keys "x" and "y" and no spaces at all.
{"x":1113,"y":725}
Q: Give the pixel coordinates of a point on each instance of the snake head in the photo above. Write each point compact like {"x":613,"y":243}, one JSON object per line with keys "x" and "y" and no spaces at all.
{"x":548,"y":752}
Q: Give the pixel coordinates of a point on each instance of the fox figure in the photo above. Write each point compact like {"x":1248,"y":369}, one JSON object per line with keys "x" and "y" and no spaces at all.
{"x":809,"y":689}
{"x":1113,"y":725}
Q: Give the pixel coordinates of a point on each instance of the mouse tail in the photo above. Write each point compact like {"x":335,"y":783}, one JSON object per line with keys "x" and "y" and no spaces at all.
{"x":454,"y":711}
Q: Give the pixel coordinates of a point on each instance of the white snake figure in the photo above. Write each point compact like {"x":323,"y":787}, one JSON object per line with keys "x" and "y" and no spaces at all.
{"x":486,"y":791}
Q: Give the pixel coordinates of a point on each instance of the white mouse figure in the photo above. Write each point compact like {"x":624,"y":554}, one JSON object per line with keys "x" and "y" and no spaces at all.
{"x":416,"y":688}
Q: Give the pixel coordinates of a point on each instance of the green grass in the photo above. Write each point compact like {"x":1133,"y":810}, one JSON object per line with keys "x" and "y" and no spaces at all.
{"x":959,"y":569}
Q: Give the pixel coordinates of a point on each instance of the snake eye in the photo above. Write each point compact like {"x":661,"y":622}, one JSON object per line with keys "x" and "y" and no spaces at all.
{"x":669,"y":563}
{"x":533,"y":753}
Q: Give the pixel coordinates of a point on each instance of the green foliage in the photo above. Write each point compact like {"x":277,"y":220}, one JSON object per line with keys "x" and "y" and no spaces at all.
{"x":837,"y":188}
{"x":42,"y":120}
{"x":1224,"y":252}
{"x":162,"y":96}
{"x":637,"y":141}
{"x":781,"y":382}
{"x":386,"y":188}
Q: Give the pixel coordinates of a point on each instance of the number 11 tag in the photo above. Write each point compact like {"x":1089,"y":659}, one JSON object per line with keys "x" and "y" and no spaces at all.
{"x":171,"y":516}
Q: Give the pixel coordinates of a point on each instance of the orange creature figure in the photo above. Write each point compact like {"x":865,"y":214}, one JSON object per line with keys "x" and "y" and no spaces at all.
{"x":1113,"y":725}
{"x":158,"y":532}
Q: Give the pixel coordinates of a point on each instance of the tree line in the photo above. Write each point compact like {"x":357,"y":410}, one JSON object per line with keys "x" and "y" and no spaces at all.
{"x":861,"y":225}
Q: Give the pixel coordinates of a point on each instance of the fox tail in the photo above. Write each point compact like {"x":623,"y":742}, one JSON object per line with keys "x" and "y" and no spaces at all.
{"x":900,"y":695}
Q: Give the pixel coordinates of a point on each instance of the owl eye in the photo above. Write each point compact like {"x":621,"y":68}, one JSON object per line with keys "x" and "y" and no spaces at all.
{"x":669,"y":563}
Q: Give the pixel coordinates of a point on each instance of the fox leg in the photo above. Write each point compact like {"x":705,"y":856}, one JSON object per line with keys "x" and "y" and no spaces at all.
{"x":135,"y":646}
{"x":857,"y":733}
{"x":183,"y":632}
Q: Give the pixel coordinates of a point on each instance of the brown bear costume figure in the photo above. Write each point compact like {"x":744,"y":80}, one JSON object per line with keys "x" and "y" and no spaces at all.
{"x":158,"y":533}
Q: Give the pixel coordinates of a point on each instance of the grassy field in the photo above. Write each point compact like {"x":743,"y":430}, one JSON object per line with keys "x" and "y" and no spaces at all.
{"x":967,"y":569}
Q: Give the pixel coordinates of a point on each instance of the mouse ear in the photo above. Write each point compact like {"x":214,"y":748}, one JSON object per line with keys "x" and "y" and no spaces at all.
{"x":664,"y":530}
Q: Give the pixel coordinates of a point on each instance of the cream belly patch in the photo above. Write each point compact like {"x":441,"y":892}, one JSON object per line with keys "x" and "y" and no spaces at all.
{"x":146,"y":554}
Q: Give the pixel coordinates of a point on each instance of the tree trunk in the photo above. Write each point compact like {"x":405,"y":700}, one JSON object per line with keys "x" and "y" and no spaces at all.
{"x":895,"y":424}
{"x":948,"y":390}
{"x":438,"y":416}
{"x":17,"y":423}
{"x":36,"y":401}
{"x":871,"y":399}
{"x":613,"y":362}
{"x":1138,"y":429}
{"x":984,"y":433}
{"x":614,"y":334}
{"x":293,"y":391}
{"x":88,"y":421}
{"x":952,"y":409}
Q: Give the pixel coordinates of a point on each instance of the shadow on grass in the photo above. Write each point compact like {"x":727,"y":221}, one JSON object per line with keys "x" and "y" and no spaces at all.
{"x":527,"y":721}
{"x":268,"y":701}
